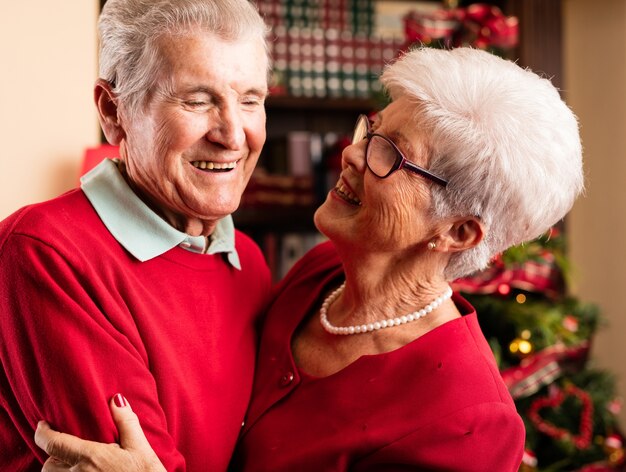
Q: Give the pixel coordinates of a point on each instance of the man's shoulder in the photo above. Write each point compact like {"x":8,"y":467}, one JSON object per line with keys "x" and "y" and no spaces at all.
{"x":47,"y":220}
{"x":39,"y":213}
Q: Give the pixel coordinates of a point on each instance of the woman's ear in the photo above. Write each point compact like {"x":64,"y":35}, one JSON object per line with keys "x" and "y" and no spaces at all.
{"x":461,"y":235}
{"x":108,"y":112}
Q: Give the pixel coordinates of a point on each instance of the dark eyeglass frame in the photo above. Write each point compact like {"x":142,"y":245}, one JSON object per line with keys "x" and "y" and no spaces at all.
{"x":401,"y":161}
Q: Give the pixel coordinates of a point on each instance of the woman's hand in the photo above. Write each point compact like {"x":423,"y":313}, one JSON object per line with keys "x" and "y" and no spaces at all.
{"x":69,"y":452}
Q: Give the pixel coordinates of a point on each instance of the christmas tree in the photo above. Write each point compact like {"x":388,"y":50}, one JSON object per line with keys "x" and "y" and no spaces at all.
{"x":541,"y":338}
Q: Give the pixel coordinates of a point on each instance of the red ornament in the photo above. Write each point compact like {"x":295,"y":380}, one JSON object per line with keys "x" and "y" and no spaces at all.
{"x":570,"y":323}
{"x":504,"y":289}
{"x":615,"y":406}
{"x":614,"y":449}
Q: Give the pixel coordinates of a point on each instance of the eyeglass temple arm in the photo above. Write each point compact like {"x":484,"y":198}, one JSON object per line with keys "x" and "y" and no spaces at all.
{"x":423,"y":172}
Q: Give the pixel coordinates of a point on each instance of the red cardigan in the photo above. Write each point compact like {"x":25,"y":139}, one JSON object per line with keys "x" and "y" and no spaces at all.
{"x":81,"y":319}
{"x":436,"y":404}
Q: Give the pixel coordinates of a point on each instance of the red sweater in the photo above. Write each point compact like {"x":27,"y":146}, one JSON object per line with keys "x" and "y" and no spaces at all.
{"x":81,"y":319}
{"x":436,"y":404}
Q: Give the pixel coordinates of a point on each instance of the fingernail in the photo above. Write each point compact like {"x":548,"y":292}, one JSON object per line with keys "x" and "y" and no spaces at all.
{"x":119,"y":400}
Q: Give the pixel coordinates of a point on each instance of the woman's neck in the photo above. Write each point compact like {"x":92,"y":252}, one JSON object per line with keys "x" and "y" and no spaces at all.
{"x":380,"y":285}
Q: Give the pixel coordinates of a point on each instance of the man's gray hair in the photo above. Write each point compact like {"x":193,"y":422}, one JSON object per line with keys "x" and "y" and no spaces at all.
{"x":129,"y":31}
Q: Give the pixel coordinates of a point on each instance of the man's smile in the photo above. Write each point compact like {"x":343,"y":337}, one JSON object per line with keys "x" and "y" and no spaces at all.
{"x":210,"y":166}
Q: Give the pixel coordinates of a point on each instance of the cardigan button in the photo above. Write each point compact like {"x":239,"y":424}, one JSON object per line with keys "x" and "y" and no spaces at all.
{"x":286,"y":379}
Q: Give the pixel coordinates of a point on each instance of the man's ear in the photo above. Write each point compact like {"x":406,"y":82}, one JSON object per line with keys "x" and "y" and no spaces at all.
{"x":108,"y":112}
{"x":461,"y":235}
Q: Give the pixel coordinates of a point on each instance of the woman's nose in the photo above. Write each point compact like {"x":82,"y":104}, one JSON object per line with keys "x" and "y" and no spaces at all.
{"x":353,"y":155}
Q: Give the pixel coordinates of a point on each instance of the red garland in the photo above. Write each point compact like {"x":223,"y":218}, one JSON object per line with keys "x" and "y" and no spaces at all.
{"x":583,"y":439}
{"x":541,"y":276}
{"x":480,"y":25}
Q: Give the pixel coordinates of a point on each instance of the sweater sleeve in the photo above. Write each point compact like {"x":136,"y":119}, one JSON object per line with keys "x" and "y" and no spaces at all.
{"x":487,"y":436}
{"x":62,"y":357}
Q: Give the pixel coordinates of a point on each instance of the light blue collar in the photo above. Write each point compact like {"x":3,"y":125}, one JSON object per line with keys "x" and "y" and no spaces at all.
{"x":139,"y":229}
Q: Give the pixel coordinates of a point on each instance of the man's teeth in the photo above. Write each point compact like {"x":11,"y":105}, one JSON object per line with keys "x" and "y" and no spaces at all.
{"x":346,"y":194}
{"x":214,"y":165}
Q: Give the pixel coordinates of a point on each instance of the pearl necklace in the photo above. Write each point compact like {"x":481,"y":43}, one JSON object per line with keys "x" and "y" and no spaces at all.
{"x":386,"y":323}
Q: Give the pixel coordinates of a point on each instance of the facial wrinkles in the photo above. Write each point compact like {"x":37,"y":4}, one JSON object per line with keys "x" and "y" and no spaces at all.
{"x":162,"y":145}
{"x":146,"y":165}
{"x":404,"y":198}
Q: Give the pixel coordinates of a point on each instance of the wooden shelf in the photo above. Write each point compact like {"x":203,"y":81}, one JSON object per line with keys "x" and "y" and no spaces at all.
{"x":325,"y":104}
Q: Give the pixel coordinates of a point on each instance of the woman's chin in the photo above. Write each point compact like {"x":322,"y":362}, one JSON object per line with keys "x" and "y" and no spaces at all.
{"x":317,"y":216}
{"x":328,"y":223}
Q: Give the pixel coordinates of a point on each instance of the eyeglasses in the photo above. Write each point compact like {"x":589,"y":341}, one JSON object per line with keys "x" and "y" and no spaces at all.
{"x":383,"y":157}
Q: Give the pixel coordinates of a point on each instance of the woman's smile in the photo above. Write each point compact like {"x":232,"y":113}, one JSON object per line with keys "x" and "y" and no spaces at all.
{"x":346,"y":194}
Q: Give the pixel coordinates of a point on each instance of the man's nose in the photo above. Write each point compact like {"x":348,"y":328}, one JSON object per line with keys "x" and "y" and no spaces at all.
{"x":227,"y":130}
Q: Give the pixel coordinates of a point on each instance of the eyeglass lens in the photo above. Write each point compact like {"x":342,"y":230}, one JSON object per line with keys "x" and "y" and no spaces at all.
{"x":382,"y":157}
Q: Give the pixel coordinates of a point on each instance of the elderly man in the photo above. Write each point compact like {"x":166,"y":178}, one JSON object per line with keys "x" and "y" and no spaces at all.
{"x":138,"y":280}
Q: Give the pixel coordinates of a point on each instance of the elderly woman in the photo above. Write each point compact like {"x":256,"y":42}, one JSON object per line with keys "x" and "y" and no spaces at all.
{"x":367,"y":361}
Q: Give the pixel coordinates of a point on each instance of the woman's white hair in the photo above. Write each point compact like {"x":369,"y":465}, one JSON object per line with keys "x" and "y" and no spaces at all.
{"x":501,"y":135}
{"x":129,"y":30}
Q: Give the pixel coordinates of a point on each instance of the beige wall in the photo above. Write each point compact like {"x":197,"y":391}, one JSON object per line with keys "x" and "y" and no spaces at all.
{"x":48,"y":61}
{"x":595,"y":84}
